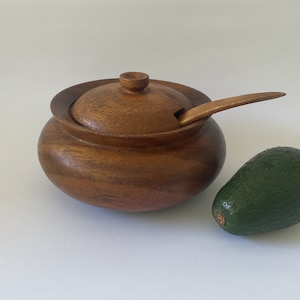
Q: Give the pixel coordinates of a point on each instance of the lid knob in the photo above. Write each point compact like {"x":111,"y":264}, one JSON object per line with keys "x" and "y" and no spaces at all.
{"x":134,"y":81}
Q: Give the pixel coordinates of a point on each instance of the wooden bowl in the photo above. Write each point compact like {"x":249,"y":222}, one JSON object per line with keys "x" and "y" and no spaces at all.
{"x":117,"y":144}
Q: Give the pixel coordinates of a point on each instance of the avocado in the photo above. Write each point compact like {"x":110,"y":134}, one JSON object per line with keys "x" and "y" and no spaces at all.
{"x":263,"y":195}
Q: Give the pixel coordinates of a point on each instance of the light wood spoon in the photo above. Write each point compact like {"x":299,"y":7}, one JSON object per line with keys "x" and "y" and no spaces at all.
{"x":207,"y":109}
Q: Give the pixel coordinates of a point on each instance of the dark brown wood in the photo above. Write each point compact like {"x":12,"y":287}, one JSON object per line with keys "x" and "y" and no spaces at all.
{"x":133,"y":106}
{"x":117,"y":143}
{"x":133,"y":171}
{"x":138,"y":175}
{"x":207,"y":109}
{"x":134,"y":81}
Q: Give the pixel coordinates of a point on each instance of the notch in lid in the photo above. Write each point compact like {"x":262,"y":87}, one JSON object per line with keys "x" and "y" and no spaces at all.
{"x":132,"y":106}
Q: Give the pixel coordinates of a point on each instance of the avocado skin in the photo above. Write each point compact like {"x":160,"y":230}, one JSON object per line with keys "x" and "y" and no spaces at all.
{"x":263,"y":195}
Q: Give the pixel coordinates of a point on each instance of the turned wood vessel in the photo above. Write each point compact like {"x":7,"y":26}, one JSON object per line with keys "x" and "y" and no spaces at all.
{"x":132,"y":143}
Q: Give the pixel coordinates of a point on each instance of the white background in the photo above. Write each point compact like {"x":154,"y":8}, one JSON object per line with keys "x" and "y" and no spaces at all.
{"x":54,"y":247}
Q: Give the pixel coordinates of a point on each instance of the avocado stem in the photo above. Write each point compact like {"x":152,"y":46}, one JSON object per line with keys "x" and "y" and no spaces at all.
{"x":220,"y":219}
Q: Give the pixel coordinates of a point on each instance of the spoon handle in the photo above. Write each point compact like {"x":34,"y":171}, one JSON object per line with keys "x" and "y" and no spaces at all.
{"x":207,"y":109}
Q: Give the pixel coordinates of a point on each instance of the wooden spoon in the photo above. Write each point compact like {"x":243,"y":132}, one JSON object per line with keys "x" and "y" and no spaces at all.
{"x":207,"y":109}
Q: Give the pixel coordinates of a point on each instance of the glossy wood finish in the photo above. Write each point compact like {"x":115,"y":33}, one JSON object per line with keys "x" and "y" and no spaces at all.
{"x":134,"y":144}
{"x":148,"y":175}
{"x":130,"y":106}
{"x":207,"y":109}
{"x":131,"y":172}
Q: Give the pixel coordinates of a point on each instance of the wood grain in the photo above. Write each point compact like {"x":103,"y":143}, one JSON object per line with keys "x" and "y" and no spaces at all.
{"x":132,"y":178}
{"x":207,"y":109}
{"x":132,"y":171}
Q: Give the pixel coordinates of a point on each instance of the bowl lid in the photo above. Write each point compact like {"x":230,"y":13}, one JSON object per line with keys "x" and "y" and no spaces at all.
{"x":133,"y":105}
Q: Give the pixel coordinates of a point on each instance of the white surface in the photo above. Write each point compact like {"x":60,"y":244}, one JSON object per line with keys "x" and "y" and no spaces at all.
{"x":53,"y":247}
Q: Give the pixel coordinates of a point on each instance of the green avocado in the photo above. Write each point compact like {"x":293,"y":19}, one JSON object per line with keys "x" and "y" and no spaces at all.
{"x":263,"y":195}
